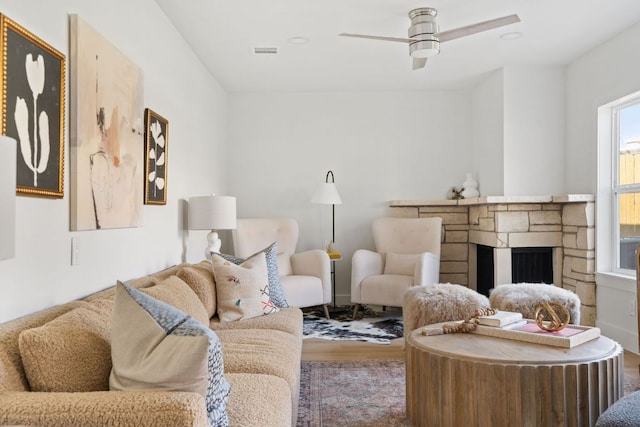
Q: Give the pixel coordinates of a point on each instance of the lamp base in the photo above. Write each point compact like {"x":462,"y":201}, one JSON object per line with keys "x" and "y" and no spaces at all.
{"x":214,"y":244}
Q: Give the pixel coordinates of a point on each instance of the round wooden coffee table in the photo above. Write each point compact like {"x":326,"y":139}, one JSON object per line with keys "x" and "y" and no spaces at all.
{"x":474,"y":380}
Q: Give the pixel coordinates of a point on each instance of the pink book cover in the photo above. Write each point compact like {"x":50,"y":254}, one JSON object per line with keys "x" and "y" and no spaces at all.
{"x":533,"y":328}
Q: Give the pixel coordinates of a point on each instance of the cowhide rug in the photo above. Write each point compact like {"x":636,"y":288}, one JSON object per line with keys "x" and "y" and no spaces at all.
{"x":374,"y":327}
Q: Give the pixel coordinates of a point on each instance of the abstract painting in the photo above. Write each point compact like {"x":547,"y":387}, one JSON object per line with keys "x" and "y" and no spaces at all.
{"x":107,"y":133}
{"x":156,"y":148}
{"x":33,"y":90}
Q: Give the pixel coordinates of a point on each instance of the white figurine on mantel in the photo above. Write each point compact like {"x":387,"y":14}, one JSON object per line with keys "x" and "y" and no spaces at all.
{"x":470,"y":188}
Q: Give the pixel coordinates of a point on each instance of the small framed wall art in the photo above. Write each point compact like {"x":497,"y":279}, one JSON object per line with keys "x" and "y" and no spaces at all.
{"x":156,"y":139}
{"x":32,"y":76}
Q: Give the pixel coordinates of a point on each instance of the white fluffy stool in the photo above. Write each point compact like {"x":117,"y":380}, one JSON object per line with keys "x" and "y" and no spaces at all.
{"x":440,"y":302}
{"x":526,"y":297}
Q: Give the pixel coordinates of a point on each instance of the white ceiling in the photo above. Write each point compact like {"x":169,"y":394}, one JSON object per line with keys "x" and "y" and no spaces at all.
{"x":223,"y":34}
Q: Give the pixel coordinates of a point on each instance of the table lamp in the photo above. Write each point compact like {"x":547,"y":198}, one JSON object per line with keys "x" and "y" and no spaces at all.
{"x":212,"y":213}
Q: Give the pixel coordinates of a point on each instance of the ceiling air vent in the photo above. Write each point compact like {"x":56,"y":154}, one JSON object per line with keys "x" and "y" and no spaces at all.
{"x":265,"y":50}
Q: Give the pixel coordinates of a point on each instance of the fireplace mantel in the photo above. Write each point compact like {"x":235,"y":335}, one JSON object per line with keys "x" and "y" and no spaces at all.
{"x":564,"y":222}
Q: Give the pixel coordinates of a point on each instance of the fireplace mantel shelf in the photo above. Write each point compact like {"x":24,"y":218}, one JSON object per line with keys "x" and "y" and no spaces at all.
{"x":491,"y":200}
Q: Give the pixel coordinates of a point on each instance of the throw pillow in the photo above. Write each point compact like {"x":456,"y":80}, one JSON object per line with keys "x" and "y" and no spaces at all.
{"x":275,"y":291}
{"x":174,"y":291}
{"x":404,"y":264}
{"x":239,"y":287}
{"x":71,"y":353}
{"x":155,"y":346}
{"x":200,"y":280}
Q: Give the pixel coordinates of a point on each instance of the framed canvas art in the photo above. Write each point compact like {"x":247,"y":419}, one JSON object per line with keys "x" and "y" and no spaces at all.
{"x":156,"y":152}
{"x":33,"y":91}
{"x":107,"y":133}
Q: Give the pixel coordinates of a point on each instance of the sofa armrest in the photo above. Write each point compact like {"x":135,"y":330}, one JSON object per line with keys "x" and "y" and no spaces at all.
{"x":364,"y":263}
{"x":316,"y":263}
{"x":103,"y":408}
{"x":427,"y":270}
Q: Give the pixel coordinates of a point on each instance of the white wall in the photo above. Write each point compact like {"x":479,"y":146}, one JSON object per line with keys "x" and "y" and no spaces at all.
{"x":534,"y":109}
{"x":488,"y":134}
{"x":381,"y":147}
{"x":177,"y":86}
{"x":602,"y":75}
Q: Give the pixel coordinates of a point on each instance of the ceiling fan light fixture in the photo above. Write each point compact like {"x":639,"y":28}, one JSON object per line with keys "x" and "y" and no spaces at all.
{"x":424,"y":48}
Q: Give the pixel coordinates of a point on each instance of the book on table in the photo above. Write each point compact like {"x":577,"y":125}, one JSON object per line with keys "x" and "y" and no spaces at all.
{"x":500,"y":319}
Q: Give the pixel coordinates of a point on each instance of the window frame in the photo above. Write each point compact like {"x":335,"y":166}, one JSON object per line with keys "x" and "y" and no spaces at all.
{"x":608,"y":189}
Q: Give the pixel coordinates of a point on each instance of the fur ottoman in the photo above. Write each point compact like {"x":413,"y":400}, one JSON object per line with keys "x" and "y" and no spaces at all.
{"x":525,"y":298}
{"x":440,"y":302}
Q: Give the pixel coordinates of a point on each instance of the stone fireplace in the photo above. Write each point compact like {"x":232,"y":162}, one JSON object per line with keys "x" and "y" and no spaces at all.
{"x":504,"y":227}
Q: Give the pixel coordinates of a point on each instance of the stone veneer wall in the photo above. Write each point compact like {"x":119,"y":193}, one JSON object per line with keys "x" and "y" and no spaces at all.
{"x":566,"y":223}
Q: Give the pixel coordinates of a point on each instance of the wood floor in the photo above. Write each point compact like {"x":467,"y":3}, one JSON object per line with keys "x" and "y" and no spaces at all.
{"x":319,"y":349}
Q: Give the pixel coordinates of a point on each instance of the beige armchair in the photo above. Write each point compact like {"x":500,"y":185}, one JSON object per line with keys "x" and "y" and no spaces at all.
{"x":305,"y":276}
{"x":407,"y":254}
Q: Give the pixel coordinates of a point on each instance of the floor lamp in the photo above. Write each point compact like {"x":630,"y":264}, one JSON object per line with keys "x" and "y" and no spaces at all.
{"x":327,"y":194}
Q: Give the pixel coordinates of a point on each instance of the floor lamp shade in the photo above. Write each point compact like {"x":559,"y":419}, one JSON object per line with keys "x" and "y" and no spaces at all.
{"x":327,"y":193}
{"x":212,"y":213}
{"x":7,"y":197}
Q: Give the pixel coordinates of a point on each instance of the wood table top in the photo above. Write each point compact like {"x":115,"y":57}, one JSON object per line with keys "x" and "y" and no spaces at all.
{"x":472,"y":347}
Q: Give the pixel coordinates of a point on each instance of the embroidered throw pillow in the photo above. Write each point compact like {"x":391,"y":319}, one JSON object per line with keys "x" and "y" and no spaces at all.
{"x":155,"y":346}
{"x":239,"y":288}
{"x":275,"y":291}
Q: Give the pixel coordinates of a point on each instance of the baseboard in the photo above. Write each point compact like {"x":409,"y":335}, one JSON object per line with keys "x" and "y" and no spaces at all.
{"x":627,"y":339}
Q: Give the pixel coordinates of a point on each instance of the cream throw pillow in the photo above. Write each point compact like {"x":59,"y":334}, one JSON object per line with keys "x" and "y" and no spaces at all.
{"x":238,"y":287}
{"x":174,"y":291}
{"x":71,"y":353}
{"x":404,"y":264}
{"x":200,"y":280}
{"x":155,"y":346}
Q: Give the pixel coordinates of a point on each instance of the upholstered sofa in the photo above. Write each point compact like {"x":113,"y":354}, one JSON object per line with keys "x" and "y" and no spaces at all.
{"x":55,"y":364}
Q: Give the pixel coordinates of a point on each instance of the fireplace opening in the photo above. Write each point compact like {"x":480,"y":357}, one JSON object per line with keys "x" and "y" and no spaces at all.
{"x":530,"y":265}
{"x":485,"y":278}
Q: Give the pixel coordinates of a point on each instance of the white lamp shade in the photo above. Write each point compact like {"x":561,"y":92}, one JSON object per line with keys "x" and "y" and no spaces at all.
{"x":327,"y":194}
{"x":212,"y":213}
{"x":7,"y":197}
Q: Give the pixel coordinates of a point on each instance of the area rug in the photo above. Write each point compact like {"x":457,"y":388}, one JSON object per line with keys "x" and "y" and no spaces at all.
{"x":374,"y":327}
{"x":360,"y":393}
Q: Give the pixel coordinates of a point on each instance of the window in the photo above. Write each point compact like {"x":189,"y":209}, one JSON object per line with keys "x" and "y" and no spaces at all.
{"x":626,"y":184}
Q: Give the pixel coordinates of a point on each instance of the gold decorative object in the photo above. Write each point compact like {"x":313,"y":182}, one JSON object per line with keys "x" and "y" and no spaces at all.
{"x":552,"y":316}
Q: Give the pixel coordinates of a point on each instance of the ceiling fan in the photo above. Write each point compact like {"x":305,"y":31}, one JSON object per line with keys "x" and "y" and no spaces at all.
{"x":425,"y":36}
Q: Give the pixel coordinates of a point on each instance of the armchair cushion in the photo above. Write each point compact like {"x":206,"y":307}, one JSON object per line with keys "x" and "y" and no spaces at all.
{"x":401,"y":263}
{"x":155,"y":346}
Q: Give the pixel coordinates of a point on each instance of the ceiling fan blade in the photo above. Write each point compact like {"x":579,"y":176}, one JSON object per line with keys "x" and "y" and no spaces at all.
{"x":419,"y":63}
{"x":388,"y":39}
{"x":456,"y":33}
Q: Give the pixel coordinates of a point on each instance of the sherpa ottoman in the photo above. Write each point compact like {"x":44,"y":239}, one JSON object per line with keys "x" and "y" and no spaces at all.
{"x":440,"y":302}
{"x":526,"y":297}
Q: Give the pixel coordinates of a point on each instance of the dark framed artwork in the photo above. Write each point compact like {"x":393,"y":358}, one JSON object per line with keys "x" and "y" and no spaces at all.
{"x":156,"y":139}
{"x":33,"y":91}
